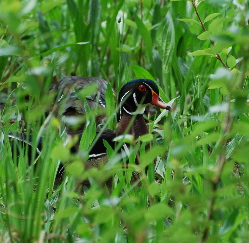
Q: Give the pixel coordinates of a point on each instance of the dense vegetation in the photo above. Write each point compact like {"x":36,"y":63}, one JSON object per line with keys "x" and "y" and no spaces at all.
{"x":195,"y":50}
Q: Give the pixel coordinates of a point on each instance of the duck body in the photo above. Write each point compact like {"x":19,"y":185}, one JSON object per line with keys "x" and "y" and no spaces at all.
{"x":67,"y":89}
{"x":68,"y":103}
{"x":137,"y":128}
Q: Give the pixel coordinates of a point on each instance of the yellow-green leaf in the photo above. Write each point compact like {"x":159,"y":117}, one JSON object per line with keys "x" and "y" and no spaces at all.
{"x":216,"y":26}
{"x":231,"y":61}
{"x":211,"y":16}
{"x":204,"y":36}
{"x":66,"y":213}
{"x":189,"y":21}
{"x":130,"y":23}
{"x":146,"y":138}
{"x":199,"y":53}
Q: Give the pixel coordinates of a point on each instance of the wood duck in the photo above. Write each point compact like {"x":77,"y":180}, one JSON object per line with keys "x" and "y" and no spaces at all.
{"x":68,"y":103}
{"x":133,"y":97}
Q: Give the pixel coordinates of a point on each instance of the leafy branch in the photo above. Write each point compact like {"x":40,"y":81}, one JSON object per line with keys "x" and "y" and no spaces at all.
{"x":217,"y":56}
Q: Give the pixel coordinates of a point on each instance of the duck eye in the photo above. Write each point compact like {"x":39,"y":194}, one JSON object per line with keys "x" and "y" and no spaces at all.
{"x":141,"y":88}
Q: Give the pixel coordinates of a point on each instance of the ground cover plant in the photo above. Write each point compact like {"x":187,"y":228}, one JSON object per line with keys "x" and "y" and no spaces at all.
{"x":197,"y":52}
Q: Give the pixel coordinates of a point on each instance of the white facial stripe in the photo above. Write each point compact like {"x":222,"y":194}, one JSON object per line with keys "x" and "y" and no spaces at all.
{"x":148,"y":86}
{"x":125,"y":95}
{"x":138,"y":111}
{"x":135,"y":99}
{"x":126,"y":149}
{"x":120,"y":111}
{"x":130,"y":113}
{"x":96,"y":155}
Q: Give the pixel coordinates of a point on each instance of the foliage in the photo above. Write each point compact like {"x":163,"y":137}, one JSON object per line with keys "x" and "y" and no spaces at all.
{"x":197,"y":50}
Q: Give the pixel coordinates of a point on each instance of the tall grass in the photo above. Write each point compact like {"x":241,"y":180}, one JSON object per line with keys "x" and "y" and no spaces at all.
{"x":197,"y":51}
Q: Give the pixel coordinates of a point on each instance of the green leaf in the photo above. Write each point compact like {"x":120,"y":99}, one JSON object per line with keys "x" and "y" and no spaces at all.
{"x":158,"y":211}
{"x":72,"y":8}
{"x":126,"y":48}
{"x":241,"y":128}
{"x":131,"y":23}
{"x":60,"y":152}
{"x":145,"y":35}
{"x":104,"y":215}
{"x":231,"y":61}
{"x":211,"y":16}
{"x":141,"y":72}
{"x":200,"y":53}
{"x":87,"y":91}
{"x":89,"y":132}
{"x":127,"y":138}
{"x":50,"y":5}
{"x":210,"y":51}
{"x":75,"y":169}
{"x":216,"y":26}
{"x":216,"y":84}
{"x":189,"y":21}
{"x":46,"y":53}
{"x":154,"y":188}
{"x":66,"y":213}
{"x":110,"y":106}
{"x":223,"y":38}
{"x":145,"y":138}
{"x":203,"y":127}
{"x":241,"y":153}
{"x":44,"y":28}
{"x":204,"y":36}
{"x":28,"y":6}
{"x":166,"y":42}
{"x":84,"y":229}
{"x":149,"y":156}
{"x":210,"y":138}
{"x":230,"y":221}
{"x":94,"y":19}
{"x":7,"y":50}
{"x":217,"y":48}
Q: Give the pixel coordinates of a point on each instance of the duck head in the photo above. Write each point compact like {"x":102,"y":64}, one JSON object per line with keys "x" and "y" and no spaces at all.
{"x":135,"y":95}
